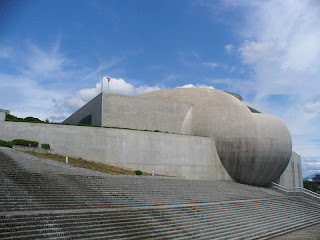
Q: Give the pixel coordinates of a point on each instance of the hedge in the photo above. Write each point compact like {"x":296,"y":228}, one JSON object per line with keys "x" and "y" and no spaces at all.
{"x":23,"y":142}
{"x":6,"y":143}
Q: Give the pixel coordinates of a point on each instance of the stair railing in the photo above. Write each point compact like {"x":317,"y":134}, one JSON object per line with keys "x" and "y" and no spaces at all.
{"x":299,"y":191}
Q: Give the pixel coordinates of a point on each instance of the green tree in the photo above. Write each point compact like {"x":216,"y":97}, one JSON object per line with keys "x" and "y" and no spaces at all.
{"x":312,"y":186}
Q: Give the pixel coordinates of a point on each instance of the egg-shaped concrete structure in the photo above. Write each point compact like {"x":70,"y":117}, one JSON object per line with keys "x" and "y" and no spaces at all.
{"x":254,"y":148}
{"x":250,"y":146}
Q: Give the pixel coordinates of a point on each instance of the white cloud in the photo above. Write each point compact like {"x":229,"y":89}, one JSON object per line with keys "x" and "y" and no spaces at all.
{"x":116,"y":85}
{"x":285,"y":55}
{"x":74,"y":103}
{"x":253,"y":52}
{"x":43,"y":79}
{"x":25,"y":97}
{"x":229,"y":48}
{"x":313,"y":106}
{"x":196,"y":86}
{"x":46,"y":63}
{"x":280,"y":44}
{"x":310,"y":165}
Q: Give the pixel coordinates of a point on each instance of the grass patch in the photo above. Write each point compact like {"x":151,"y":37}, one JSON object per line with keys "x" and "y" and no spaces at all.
{"x":78,"y":162}
{"x":11,"y":118}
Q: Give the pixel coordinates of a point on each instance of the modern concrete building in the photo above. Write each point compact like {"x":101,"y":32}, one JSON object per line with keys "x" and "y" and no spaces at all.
{"x":3,"y":113}
{"x":248,"y":145}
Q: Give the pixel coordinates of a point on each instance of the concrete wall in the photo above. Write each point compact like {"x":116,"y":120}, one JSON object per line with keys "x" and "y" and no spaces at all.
{"x":115,"y":110}
{"x":254,"y":148}
{"x":2,"y":116}
{"x":5,"y":111}
{"x":136,"y":113}
{"x":170,"y":154}
{"x":292,"y":176}
{"x":93,"y":107}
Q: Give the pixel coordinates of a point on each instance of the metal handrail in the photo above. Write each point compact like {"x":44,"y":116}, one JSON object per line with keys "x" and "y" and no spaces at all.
{"x":279,"y":186}
{"x":304,"y":192}
{"x":308,"y":191}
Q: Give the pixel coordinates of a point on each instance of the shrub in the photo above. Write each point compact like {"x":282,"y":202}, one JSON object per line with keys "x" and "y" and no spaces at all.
{"x":23,"y":142}
{"x":13,"y":118}
{"x":6,"y":143}
{"x":34,"y":143}
{"x":312,"y":186}
{"x":20,"y":142}
{"x":10,"y":117}
{"x":32,"y":120}
{"x":45,"y":146}
{"x":138,"y":172}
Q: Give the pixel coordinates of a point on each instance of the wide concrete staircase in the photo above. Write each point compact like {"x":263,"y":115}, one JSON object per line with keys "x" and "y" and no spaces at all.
{"x":43,"y":199}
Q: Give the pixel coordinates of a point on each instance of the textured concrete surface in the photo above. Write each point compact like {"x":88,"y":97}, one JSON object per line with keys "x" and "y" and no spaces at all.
{"x":137,"y":113}
{"x":5,"y":111}
{"x":169,"y":154}
{"x":2,"y":116}
{"x":292,"y":176}
{"x":44,"y":199}
{"x":309,"y":233}
{"x":254,"y":148}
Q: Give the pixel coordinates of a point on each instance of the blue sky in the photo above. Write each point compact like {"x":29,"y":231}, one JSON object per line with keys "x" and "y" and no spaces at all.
{"x":266,"y":51}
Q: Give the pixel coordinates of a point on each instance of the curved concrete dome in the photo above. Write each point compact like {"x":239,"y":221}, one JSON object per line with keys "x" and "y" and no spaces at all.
{"x":254,"y":148}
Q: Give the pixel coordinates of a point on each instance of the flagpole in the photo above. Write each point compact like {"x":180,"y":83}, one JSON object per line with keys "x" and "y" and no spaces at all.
{"x":102,"y":74}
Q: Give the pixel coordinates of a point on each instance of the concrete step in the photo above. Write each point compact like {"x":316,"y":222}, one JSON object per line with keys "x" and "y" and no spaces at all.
{"x":41,"y":203}
{"x":183,"y":222}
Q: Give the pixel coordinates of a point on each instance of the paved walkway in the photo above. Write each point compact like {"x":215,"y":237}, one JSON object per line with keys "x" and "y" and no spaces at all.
{"x":309,"y":233}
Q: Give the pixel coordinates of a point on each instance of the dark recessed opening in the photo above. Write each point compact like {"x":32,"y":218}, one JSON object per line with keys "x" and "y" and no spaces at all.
{"x":86,"y":120}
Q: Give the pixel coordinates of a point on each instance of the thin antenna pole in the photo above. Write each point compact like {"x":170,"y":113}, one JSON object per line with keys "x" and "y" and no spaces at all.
{"x":102,"y":74}
{"x":108,"y":82}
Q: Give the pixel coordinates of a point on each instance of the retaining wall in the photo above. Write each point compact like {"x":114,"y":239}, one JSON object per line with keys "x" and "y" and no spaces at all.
{"x":169,"y":154}
{"x":292,"y":175}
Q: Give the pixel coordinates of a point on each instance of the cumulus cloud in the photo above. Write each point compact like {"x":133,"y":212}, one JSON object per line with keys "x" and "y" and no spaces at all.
{"x":116,"y":85}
